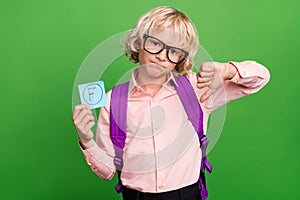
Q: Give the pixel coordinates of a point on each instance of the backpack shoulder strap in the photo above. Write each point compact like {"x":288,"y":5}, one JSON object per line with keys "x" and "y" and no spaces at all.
{"x":118,"y":114}
{"x":194,"y":112}
{"x":190,"y":103}
{"x":118,"y":122}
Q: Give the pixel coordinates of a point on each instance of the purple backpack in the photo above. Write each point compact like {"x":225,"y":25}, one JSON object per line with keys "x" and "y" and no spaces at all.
{"x":118,"y":121}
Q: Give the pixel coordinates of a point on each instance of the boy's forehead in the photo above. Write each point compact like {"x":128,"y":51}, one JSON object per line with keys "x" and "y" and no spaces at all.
{"x":168,"y":36}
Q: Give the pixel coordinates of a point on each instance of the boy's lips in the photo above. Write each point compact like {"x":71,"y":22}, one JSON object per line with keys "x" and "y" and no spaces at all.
{"x":157,"y":65}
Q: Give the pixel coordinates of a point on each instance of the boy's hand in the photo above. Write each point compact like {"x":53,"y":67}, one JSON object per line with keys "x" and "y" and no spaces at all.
{"x":212,"y":75}
{"x":83,"y":121}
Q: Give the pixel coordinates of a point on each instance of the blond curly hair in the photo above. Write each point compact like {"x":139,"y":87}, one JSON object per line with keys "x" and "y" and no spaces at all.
{"x":163,"y":17}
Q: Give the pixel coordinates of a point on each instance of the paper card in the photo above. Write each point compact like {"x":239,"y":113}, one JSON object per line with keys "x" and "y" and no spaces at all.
{"x":93,"y":94}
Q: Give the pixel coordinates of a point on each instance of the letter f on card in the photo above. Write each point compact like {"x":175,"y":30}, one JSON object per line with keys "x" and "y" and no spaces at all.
{"x":92,"y":94}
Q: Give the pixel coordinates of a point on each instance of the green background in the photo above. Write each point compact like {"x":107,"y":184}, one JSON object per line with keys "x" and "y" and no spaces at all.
{"x":43,"y":44}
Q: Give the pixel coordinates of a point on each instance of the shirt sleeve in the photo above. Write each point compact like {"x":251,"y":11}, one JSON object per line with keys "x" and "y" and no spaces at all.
{"x":100,"y":156}
{"x":250,"y":78}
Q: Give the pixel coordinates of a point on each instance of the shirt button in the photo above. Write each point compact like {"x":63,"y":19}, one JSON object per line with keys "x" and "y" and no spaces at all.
{"x":161,"y":187}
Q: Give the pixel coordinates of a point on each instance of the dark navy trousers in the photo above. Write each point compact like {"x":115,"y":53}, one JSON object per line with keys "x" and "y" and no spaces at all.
{"x":190,"y":192}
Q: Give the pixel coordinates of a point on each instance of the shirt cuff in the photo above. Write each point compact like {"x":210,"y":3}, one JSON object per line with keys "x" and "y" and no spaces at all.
{"x":245,"y":70}
{"x":99,"y":162}
{"x":90,"y":143}
{"x":248,"y":69}
{"x":88,"y":153}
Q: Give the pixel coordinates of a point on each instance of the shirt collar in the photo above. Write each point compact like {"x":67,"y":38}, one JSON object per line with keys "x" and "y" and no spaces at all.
{"x":133,"y":85}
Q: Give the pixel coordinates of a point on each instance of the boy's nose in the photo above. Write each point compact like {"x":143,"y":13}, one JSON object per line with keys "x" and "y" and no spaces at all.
{"x":162,"y":55}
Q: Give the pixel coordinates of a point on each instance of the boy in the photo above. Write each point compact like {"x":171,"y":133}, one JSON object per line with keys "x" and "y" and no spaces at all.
{"x":162,"y":157}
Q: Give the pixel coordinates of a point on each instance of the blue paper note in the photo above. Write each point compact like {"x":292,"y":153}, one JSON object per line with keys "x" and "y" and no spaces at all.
{"x":93,"y":94}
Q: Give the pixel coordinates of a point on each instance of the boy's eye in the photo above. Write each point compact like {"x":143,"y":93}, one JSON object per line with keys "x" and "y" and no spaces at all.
{"x":155,"y":43}
{"x":174,"y":51}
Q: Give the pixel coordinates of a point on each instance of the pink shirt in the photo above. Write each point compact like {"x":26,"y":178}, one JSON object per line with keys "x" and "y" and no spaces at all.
{"x":161,"y":150}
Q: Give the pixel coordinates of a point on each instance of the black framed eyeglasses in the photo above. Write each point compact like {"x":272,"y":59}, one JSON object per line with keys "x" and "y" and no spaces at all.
{"x":155,"y":46}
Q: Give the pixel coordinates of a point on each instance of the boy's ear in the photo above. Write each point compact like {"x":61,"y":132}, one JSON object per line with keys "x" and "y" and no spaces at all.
{"x":138,"y":43}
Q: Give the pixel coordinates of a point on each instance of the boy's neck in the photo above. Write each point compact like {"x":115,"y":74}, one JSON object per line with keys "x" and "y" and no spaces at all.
{"x":150,"y":84}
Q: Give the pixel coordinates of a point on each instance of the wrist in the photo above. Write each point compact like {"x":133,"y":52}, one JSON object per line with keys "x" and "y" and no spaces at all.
{"x":230,"y":71}
{"x":86,"y":144}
